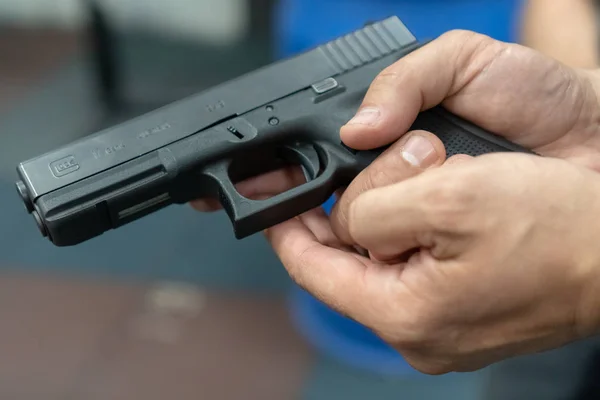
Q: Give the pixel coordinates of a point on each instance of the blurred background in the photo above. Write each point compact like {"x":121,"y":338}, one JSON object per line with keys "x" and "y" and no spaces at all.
{"x":172,"y":306}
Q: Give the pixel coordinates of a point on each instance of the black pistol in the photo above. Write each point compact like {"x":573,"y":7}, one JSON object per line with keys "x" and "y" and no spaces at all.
{"x":289,"y":112}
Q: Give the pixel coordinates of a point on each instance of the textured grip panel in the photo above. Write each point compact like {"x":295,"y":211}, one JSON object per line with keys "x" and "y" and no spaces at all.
{"x":461,"y":137}
{"x":367,"y":44}
{"x":463,"y":143}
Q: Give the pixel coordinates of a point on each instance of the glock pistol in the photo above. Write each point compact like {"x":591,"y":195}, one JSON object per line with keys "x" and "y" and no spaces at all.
{"x":286,"y":113}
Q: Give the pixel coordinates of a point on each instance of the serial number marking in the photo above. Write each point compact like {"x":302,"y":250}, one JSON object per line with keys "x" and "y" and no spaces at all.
{"x":154,"y":131}
{"x":64,"y":166}
{"x":98,"y":153}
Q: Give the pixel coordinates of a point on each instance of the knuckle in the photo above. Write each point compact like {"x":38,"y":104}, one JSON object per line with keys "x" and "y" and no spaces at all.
{"x":451,"y":200}
{"x":461,"y":35}
{"x":378,"y":177}
{"x":474,"y":52}
{"x":386,"y":81}
{"x":469,"y":41}
{"x":389,"y":75}
{"x":294,"y":266}
{"x":354,"y":218}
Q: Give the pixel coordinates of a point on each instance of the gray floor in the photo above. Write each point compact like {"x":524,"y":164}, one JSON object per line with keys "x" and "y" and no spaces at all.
{"x":177,"y":243}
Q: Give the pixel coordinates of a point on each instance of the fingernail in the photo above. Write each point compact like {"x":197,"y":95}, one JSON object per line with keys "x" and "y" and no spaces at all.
{"x":365,"y":116}
{"x":419,"y":152}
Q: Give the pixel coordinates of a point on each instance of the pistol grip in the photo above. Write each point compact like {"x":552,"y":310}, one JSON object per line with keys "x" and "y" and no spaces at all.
{"x":462,"y":137}
{"x":458,"y":136}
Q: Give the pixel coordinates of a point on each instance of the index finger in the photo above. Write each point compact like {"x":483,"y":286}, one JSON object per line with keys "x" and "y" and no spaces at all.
{"x":333,"y":276}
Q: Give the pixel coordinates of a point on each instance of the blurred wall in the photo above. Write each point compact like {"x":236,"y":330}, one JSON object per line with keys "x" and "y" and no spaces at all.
{"x":217,"y":21}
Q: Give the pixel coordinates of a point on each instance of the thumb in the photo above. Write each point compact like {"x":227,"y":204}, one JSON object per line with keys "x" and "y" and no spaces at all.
{"x":433,"y":210}
{"x":411,"y":155}
{"x":417,"y":82}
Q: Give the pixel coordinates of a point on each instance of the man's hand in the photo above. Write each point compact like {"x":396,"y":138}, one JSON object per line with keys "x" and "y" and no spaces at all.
{"x":471,"y":263}
{"x":507,"y":89}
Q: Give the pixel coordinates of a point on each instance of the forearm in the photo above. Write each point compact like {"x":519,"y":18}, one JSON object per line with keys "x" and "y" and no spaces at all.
{"x":563,"y":29}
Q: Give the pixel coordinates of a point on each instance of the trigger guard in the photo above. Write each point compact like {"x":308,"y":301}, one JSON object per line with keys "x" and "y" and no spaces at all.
{"x":306,"y":155}
{"x":325,"y":162}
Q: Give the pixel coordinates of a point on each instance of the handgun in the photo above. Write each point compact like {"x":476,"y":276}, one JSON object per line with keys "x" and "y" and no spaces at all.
{"x":286,"y":113}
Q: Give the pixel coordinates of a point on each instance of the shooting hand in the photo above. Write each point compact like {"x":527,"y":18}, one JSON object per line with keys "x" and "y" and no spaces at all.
{"x":470,"y":263}
{"x":480,"y":259}
{"x":507,"y":89}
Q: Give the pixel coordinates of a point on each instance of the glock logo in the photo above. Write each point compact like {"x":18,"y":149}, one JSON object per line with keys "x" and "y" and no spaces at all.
{"x":64,"y":166}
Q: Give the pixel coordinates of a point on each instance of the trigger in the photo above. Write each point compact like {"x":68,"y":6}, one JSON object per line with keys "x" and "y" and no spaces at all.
{"x":305,"y":155}
{"x":308,"y":175}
